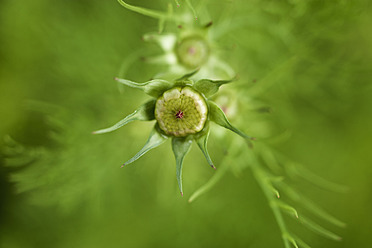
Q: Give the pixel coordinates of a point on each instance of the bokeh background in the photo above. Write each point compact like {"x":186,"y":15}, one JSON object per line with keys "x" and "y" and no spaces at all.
{"x":308,"y":61}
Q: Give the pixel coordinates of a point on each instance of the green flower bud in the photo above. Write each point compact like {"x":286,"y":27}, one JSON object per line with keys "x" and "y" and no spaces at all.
{"x":192,"y":52}
{"x":181,"y":111}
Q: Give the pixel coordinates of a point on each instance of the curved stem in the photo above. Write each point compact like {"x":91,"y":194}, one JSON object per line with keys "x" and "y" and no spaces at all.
{"x":147,"y":12}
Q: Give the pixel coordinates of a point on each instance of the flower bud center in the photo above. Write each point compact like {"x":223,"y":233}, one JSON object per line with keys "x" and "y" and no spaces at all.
{"x":179,"y":114}
{"x":181,"y":111}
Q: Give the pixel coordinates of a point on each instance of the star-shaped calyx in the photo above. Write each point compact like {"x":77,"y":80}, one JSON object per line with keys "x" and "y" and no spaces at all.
{"x":182,"y":110}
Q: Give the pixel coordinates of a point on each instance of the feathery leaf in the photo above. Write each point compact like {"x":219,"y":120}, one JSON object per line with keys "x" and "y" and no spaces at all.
{"x":310,"y":205}
{"x":318,"y":229}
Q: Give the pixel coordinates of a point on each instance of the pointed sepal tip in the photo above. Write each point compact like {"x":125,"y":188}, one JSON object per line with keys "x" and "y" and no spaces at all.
{"x":155,"y":139}
{"x":218,"y":116}
{"x":180,"y":147}
{"x":143,"y":113}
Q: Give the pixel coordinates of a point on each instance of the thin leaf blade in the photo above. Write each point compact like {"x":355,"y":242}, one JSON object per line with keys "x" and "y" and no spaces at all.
{"x":319,"y":229}
{"x":310,"y":205}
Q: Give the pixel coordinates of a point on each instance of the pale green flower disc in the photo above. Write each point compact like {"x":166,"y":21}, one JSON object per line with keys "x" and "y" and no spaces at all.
{"x":181,"y":111}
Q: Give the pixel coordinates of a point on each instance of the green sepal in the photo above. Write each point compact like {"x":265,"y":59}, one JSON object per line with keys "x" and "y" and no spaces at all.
{"x":187,"y":76}
{"x":202,"y":141}
{"x":146,"y":112}
{"x":155,"y":139}
{"x":218,"y":116}
{"x":180,"y":147}
{"x":209,"y":87}
{"x":153,"y":88}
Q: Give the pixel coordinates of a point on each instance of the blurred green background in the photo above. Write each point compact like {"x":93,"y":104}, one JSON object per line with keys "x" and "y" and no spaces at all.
{"x":309,"y":61}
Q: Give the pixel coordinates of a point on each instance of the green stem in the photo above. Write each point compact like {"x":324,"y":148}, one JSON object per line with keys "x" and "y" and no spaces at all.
{"x":147,"y":12}
{"x":260,"y":177}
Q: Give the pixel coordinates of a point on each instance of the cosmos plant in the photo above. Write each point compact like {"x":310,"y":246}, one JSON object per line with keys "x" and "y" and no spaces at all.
{"x":182,"y":110}
{"x":182,"y":107}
